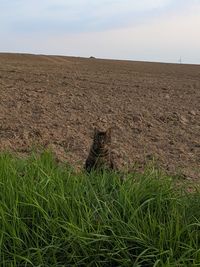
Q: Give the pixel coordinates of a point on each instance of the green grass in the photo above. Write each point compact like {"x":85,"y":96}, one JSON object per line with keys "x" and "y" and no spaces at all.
{"x":51,"y":216}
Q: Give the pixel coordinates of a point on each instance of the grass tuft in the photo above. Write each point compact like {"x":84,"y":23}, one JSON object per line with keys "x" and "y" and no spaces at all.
{"x":51,"y":216}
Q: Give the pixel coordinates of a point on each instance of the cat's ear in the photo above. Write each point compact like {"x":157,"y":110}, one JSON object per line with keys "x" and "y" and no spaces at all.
{"x":96,"y":131}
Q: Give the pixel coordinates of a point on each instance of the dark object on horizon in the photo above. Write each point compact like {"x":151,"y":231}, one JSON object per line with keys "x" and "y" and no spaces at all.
{"x":92,"y":57}
{"x":100,"y":152}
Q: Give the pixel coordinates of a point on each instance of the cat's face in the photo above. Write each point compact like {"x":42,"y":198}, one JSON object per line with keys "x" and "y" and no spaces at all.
{"x":101,"y":139}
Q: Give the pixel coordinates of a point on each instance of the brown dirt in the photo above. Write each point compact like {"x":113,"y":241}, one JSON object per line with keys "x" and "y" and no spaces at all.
{"x":53,"y":101}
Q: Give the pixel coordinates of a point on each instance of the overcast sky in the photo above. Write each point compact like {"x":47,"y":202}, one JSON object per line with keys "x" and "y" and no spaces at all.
{"x":151,"y":30}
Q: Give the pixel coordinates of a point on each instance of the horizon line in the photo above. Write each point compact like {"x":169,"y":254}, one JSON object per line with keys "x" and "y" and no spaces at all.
{"x":101,"y":58}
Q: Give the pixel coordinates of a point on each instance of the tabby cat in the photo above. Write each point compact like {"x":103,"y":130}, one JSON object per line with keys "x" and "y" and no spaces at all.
{"x":100,"y":152}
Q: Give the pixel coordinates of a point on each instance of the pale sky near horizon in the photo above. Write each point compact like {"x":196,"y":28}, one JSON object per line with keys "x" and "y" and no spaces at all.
{"x":150,"y":30}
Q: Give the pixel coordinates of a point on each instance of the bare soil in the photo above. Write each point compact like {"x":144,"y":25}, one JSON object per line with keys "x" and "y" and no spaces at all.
{"x":54,"y":101}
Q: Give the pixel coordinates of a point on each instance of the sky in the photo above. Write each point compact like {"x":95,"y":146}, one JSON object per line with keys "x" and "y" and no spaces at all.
{"x":147,"y":30}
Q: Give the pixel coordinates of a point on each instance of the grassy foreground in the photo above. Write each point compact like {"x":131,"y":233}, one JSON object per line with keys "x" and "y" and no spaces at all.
{"x":50,"y":216}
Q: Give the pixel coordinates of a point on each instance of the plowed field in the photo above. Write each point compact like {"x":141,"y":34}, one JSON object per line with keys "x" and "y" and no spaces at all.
{"x":54,"y":101}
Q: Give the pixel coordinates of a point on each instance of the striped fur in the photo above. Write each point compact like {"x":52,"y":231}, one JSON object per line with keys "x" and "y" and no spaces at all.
{"x":100,"y":153}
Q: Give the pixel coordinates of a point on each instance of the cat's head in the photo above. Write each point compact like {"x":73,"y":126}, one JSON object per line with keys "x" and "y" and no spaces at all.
{"x":102,"y":138}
